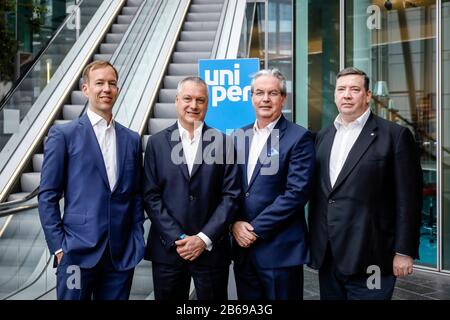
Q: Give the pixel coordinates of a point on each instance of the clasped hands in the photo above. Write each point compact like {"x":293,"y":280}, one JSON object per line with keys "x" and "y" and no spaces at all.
{"x":243,"y":233}
{"x":190,"y":247}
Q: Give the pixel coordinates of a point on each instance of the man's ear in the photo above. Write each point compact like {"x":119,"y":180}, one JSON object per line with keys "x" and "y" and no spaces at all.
{"x":85,"y":89}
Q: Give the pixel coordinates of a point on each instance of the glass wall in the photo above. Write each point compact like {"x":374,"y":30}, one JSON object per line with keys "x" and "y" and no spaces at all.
{"x":267,"y":35}
{"x":317,"y":62}
{"x":445,"y":150}
{"x":396,"y":45}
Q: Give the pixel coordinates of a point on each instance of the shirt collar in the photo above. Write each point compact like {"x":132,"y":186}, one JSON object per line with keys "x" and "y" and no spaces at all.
{"x":96,"y":119}
{"x":269,"y":127}
{"x":185,"y":134}
{"x":360,"y":121}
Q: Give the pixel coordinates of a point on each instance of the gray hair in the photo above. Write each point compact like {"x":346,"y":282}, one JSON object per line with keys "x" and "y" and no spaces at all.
{"x":196,"y":80}
{"x":271,"y":73}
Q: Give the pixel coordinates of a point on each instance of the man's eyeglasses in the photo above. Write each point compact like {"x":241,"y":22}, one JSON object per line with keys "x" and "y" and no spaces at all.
{"x":272,"y":94}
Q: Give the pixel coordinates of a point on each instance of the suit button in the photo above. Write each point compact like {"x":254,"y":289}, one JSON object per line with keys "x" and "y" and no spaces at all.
{"x":247,"y":194}
{"x":331,"y":201}
{"x":192,"y":198}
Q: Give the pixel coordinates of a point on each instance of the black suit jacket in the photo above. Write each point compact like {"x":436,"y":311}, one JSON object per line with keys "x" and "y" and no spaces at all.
{"x":374,"y":208}
{"x":177,"y":203}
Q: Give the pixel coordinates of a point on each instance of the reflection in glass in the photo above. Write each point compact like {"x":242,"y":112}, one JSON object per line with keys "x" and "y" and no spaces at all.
{"x":278,"y":49}
{"x":317,"y":61}
{"x":445,"y":134}
{"x":396,"y":48}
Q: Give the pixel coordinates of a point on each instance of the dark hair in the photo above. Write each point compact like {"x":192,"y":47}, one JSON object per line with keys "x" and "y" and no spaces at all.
{"x":96,"y":64}
{"x":356,"y":71}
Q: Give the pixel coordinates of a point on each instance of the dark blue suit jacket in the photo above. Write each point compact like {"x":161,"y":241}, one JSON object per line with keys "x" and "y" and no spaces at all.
{"x":94,"y":217}
{"x":177,"y":203}
{"x":274,"y":203}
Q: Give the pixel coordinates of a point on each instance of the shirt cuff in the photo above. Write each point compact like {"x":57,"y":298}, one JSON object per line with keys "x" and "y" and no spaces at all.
{"x":206,"y":240}
{"x":58,"y":251}
{"x":401,"y":254}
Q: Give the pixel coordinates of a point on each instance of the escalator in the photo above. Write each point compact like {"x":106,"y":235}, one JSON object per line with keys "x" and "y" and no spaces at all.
{"x":76,"y":101}
{"x":195,"y":42}
{"x":23,"y":250}
{"x":153,"y":44}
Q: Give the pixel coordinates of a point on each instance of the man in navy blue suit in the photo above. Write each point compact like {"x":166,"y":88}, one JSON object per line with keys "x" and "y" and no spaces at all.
{"x":270,"y":230}
{"x":191,"y":190}
{"x":95,"y":163}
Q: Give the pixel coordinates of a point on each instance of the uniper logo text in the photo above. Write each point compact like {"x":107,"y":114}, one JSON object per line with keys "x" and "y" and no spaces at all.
{"x":219,"y":80}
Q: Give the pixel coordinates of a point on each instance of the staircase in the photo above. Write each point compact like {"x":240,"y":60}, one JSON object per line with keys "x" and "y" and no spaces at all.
{"x":195,"y":42}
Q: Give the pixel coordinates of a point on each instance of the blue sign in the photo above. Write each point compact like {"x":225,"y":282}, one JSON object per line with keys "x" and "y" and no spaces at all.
{"x":230,"y":103}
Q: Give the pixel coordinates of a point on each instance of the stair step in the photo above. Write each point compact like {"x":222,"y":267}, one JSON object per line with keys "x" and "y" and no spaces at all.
{"x":114,"y":37}
{"x":156,"y":125}
{"x":201,"y":8}
{"x":210,"y":16}
{"x":108,"y":48}
{"x":165,"y":110}
{"x":72,"y":111}
{"x":119,"y":28}
{"x":29,"y":181}
{"x":200,"y":26}
{"x":122,"y":19}
{"x":171,"y":82}
{"x":197,"y":35}
{"x":105,"y":56}
{"x":167,"y":95}
{"x":188,"y":46}
{"x":190,"y":57}
{"x":183,"y":69}
{"x":38,"y":158}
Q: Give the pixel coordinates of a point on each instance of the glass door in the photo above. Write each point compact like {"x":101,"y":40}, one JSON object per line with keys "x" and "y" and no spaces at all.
{"x":394,"y":42}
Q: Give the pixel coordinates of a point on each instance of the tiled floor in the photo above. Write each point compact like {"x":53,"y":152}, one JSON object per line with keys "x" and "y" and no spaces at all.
{"x":420,"y":285}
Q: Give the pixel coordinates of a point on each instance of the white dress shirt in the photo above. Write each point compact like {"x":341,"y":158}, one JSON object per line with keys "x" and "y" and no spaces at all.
{"x":106,"y":137}
{"x":344,"y":140}
{"x":258,"y":141}
{"x":190,"y":147}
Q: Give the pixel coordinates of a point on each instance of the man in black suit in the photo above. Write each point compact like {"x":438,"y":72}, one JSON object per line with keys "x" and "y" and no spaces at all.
{"x":366,"y":204}
{"x":191,"y":189}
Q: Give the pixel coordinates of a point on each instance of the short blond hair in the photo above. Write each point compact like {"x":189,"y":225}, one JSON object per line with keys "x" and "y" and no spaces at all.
{"x":97,"y":64}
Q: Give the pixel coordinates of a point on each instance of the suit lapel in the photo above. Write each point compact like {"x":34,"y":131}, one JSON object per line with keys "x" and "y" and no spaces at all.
{"x":362,"y":143}
{"x":269,"y":146}
{"x":200,"y":151}
{"x":174,"y":139}
{"x":326,"y":146}
{"x":93,"y":148}
{"x":247,"y":143}
{"x":121,"y":150}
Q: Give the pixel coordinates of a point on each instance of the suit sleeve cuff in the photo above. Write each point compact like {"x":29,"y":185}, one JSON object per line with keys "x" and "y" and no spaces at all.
{"x":206,"y":240}
{"x":58,"y":251}
{"x":401,"y":254}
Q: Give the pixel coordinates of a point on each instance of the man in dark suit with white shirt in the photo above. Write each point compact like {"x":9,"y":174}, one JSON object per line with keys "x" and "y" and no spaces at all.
{"x":191,"y":190}
{"x":366,"y":203}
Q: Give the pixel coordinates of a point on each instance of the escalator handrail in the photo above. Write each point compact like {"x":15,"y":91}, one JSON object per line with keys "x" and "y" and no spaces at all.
{"x":117,"y":52}
{"x":38,"y":56}
{"x":10,"y":207}
{"x":104,"y":19}
{"x":163,"y":71}
{"x":15,"y":203}
{"x":21,"y":289}
{"x":219,"y":30}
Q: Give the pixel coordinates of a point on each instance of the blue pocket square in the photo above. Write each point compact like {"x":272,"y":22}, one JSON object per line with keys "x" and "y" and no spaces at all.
{"x":273,"y":152}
